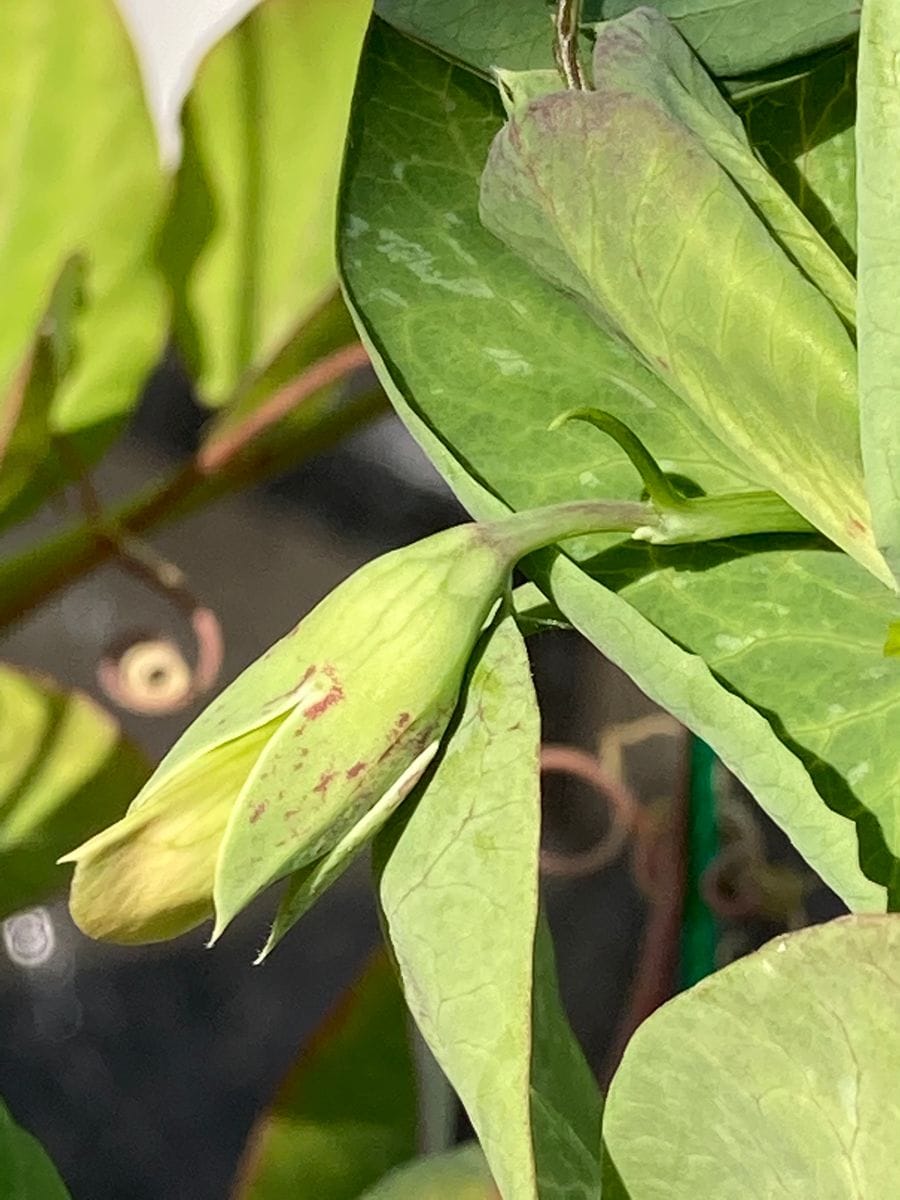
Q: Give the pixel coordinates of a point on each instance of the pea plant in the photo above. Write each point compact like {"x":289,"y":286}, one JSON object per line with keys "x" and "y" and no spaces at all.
{"x":628,"y":276}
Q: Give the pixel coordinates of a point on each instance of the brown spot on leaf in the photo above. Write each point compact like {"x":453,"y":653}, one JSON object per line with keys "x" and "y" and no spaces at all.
{"x":258,"y":812}
{"x":353,"y":771}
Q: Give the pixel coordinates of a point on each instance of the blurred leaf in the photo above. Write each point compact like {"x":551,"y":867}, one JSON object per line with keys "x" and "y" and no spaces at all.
{"x":878,"y":173}
{"x":805,"y":133}
{"x":248,"y":247}
{"x":460,"y":1174}
{"x":347,"y":1111}
{"x":25,"y":436}
{"x":480,"y":354}
{"x":327,"y":330}
{"x":733,"y":37}
{"x":26,"y":1173}
{"x":459,"y":890}
{"x":65,"y":773}
{"x":79,"y":175}
{"x":776,"y":1076}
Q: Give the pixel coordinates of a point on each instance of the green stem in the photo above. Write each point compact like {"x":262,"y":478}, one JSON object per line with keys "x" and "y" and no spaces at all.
{"x":696,"y":519}
{"x":522,"y":532}
{"x":656,"y":482}
{"x":32,"y":577}
{"x":699,"y":929}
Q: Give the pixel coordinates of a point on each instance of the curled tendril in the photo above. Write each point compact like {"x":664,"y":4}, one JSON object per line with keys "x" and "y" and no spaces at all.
{"x":624,"y":807}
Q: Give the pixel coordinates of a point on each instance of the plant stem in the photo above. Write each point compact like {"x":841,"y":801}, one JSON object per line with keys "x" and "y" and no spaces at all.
{"x":32,"y":577}
{"x":522,"y":532}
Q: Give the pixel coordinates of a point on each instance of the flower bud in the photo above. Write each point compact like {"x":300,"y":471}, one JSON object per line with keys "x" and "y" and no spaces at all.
{"x":348,"y":708}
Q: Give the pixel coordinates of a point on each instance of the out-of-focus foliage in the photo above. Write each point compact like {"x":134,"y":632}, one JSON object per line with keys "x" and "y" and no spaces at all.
{"x":347,"y":1112}
{"x":65,"y":772}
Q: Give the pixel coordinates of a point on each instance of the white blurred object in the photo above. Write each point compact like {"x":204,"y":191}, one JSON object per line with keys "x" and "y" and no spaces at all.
{"x":171,"y":38}
{"x":29,"y":937}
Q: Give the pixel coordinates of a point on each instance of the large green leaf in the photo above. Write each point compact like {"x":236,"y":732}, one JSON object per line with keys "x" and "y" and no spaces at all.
{"x":249,"y":241}
{"x":878,"y":175}
{"x":805,"y":132}
{"x":482,"y":355}
{"x":733,"y":37}
{"x":346,"y":1113}
{"x":65,"y":773}
{"x":776,"y":1077}
{"x":26,"y":1173}
{"x":643,"y":199}
{"x":78,"y":175}
{"x":459,"y":891}
{"x":459,"y":1174}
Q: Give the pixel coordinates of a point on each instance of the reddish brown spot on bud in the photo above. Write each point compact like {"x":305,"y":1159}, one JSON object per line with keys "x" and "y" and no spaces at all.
{"x":856,"y":526}
{"x":258,"y":812}
{"x":333,"y":696}
{"x":324,"y":781}
{"x":353,"y":771}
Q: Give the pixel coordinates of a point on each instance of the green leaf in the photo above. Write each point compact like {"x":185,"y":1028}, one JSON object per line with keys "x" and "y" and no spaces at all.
{"x":775,"y":1077}
{"x":698,"y":287}
{"x":26,"y":1173}
{"x":459,"y":1174}
{"x":65,"y":773}
{"x":804,"y":131}
{"x":79,"y":173}
{"x":248,"y":246}
{"x":733,"y":37}
{"x":347,"y":1111}
{"x":25,"y":436}
{"x":878,"y":186}
{"x":483,"y":354}
{"x":466,"y":859}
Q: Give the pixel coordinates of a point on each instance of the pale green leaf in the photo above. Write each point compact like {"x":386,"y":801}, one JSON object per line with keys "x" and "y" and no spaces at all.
{"x":26,"y":1173}
{"x":79,"y":175}
{"x":65,"y":773}
{"x":733,"y":37}
{"x":485,"y":354}
{"x":878,"y":191}
{"x":776,"y":1077}
{"x":805,"y":132}
{"x":698,"y":287}
{"x":459,"y":890}
{"x":249,"y":241}
{"x":346,"y":1113}
{"x":459,"y":1174}
{"x":643,"y":55}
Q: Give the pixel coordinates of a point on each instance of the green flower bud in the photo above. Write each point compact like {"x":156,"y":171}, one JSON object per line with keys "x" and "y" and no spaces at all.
{"x":345,"y":710}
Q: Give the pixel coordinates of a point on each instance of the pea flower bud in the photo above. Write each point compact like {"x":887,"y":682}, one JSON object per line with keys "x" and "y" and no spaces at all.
{"x":348,"y":707}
